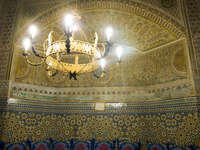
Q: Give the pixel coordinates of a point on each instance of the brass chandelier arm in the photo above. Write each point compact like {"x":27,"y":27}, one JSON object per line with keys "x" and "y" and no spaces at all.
{"x":53,"y":50}
{"x":35,"y":64}
{"x":107,"y":49}
{"x":36,"y":54}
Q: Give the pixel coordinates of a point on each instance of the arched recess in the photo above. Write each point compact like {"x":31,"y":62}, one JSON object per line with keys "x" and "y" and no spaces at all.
{"x":132,"y":11}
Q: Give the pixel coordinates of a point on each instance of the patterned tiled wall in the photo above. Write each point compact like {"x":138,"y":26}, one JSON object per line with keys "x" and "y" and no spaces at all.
{"x":162,"y":122}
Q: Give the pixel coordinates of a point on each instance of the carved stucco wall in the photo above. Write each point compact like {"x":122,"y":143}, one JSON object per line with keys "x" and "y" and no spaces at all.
{"x":192,"y":21}
{"x":161,"y":77}
{"x":159,"y":71}
{"x":7,"y":26}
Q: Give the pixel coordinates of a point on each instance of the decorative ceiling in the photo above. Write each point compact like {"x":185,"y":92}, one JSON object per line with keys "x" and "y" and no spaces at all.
{"x":155,"y":52}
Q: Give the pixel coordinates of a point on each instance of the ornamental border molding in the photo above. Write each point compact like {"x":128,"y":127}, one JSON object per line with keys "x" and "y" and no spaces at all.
{"x":131,"y":7}
{"x":179,"y":88}
{"x":172,"y":105}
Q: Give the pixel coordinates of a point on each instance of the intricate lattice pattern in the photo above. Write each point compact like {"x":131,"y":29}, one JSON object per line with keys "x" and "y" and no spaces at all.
{"x":176,"y":128}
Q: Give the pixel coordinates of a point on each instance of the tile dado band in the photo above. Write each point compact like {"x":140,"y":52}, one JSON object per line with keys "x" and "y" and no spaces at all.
{"x":180,"y":128}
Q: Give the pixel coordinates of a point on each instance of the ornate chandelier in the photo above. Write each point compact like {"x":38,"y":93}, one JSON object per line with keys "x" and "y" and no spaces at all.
{"x":53,"y":50}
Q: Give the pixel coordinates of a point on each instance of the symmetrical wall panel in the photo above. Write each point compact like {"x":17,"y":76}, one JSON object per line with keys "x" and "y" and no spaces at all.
{"x":7,"y":25}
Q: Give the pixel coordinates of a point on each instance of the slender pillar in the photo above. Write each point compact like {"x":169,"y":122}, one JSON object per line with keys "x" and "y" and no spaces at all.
{"x":191,"y":16}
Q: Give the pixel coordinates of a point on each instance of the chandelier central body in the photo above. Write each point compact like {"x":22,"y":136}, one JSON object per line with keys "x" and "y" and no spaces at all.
{"x":54,"y":50}
{"x":76,"y":47}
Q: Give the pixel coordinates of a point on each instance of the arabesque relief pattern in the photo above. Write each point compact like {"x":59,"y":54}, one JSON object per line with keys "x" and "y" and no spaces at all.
{"x":155,"y":67}
{"x":140,"y":8}
{"x":132,"y":30}
{"x":7,"y":25}
{"x":192,"y":14}
{"x":160,"y":74}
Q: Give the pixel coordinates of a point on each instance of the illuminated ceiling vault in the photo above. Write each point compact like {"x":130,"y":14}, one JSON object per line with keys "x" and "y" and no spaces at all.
{"x":160,"y":66}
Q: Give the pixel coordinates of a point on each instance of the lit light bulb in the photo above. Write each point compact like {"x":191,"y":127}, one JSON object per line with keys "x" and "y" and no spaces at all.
{"x":87,"y":48}
{"x":75,"y":28}
{"x":103,"y":63}
{"x":109,"y":33}
{"x":27,"y":44}
{"x":98,"y":54}
{"x":119,"y":52}
{"x":50,"y":64}
{"x":33,"y":31}
{"x":57,"y":47}
{"x":68,"y":20}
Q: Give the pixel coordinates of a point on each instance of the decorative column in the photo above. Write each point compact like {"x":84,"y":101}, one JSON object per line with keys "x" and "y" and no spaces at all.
{"x":191,"y":11}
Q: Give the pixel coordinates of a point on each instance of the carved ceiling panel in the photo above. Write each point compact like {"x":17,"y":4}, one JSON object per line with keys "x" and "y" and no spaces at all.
{"x":130,"y":30}
{"x":169,"y":7}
